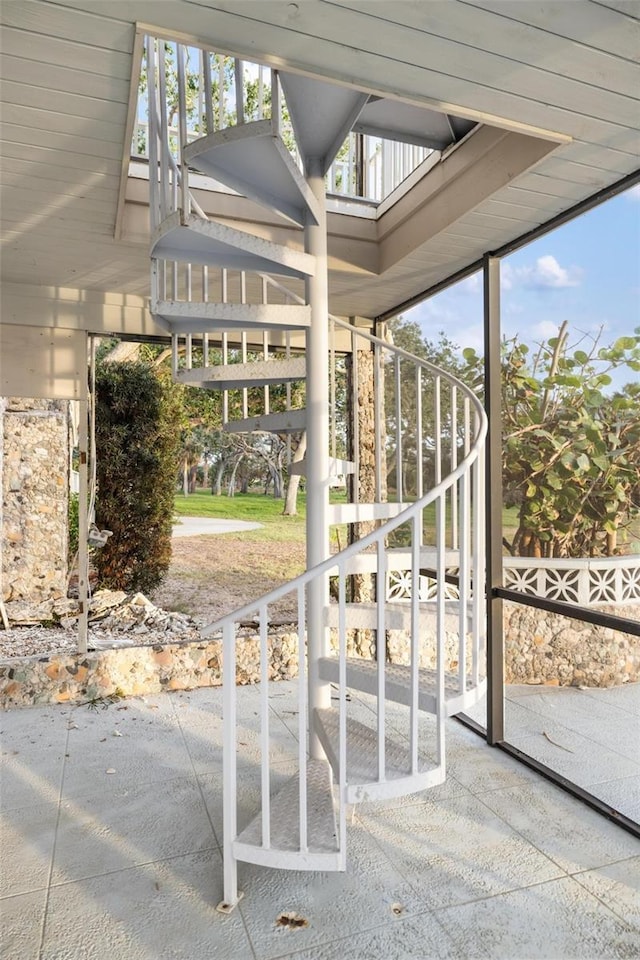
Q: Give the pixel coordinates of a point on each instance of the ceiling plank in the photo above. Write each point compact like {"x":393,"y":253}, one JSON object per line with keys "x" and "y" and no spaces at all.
{"x":51,"y":20}
{"x":32,"y":46}
{"x":64,"y":79}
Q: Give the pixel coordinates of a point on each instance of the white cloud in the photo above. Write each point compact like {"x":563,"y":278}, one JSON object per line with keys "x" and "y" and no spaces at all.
{"x":634,"y":192}
{"x":545,"y":329}
{"x":548,"y":274}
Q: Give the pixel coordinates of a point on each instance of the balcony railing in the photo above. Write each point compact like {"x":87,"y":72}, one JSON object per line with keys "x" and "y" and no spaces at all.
{"x":221,"y":91}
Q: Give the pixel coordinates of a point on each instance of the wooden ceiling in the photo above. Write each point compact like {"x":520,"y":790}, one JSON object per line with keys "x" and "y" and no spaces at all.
{"x":563,"y":70}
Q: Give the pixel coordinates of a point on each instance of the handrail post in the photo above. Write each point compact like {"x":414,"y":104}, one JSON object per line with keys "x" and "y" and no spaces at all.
{"x":493,"y":403}
{"x":317,"y":458}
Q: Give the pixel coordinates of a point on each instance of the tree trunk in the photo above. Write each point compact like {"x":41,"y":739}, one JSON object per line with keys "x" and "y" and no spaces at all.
{"x":291,"y":499}
{"x":232,"y":478}
{"x":193,"y":478}
{"x":185,"y":477}
{"x":278,"y":482}
{"x":216,"y":487}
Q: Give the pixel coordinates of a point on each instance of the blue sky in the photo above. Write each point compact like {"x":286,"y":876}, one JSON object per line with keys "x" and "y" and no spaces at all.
{"x":587,"y":272}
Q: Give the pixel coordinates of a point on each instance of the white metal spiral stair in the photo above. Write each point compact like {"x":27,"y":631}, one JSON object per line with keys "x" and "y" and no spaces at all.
{"x":267,"y":331}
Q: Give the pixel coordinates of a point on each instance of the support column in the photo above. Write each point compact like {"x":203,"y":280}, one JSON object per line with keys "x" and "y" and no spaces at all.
{"x":83,"y":525}
{"x":493,"y":406}
{"x":317,"y":347}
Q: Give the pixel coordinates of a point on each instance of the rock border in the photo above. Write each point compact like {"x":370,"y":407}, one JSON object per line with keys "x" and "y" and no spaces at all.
{"x":138,"y":670}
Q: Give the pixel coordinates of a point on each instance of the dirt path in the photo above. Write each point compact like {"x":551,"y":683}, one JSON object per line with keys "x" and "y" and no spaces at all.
{"x":212,"y":576}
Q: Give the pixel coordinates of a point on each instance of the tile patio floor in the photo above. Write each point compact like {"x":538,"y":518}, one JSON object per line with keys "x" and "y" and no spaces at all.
{"x":590,"y":736}
{"x":126,"y":865}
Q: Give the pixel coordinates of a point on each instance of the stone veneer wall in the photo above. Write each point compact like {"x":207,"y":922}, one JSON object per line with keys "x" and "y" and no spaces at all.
{"x":133,"y":671}
{"x":550,"y":649}
{"x":541,"y":648}
{"x":34,"y":471}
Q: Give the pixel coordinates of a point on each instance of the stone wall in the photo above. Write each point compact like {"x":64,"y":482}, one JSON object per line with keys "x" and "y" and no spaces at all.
{"x":133,"y":671}
{"x":34,"y":470}
{"x":546,"y":648}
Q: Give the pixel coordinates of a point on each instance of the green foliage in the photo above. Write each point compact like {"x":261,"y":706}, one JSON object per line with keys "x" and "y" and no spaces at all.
{"x":571,"y":457}
{"x":72,"y":526}
{"x":137,"y":411}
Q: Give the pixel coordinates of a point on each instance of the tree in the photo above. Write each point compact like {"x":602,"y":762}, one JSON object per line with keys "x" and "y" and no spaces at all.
{"x":137,"y":444}
{"x":571,"y":451}
{"x":443,"y":353}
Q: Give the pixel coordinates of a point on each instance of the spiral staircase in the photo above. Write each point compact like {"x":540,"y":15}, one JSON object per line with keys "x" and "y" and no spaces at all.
{"x":411,"y":578}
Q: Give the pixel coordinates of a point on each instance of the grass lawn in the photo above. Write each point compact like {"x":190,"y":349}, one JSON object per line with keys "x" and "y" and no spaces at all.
{"x":267,"y":511}
{"x":254,"y":507}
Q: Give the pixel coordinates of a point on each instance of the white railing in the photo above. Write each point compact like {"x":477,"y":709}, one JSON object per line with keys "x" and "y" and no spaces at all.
{"x":440,"y":407}
{"x":198,"y":91}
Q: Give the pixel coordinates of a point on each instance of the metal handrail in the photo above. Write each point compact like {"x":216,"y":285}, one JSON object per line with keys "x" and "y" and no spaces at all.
{"x":412,"y":510}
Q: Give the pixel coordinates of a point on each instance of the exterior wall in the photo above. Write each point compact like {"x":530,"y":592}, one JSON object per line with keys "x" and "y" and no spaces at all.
{"x":34,"y":471}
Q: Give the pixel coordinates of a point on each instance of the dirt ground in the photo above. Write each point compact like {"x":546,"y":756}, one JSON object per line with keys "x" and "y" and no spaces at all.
{"x":211,"y":576}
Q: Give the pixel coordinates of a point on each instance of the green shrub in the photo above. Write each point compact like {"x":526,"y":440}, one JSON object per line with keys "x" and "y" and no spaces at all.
{"x":137,"y":442}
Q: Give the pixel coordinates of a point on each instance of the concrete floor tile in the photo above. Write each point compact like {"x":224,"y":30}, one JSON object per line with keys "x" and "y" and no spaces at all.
{"x":106,"y":832}
{"x":417,"y":938}
{"x":623,"y":795}
{"x":26,"y":845}
{"x":451,"y":849}
{"x":621,"y":735}
{"x":141,"y":745}
{"x":203,"y":737}
{"x":21,"y":920}
{"x":481,"y":768}
{"x":570,"y":833}
{"x":161,"y":911}
{"x":335,"y":905}
{"x":626,"y":697}
{"x":577,"y":758}
{"x":457,"y":850}
{"x":558,"y":920}
{"x":618,"y":886}
{"x":32,"y":749}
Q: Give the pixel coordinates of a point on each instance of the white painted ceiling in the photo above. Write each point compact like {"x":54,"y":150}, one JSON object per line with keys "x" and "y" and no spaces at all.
{"x":567,"y":67}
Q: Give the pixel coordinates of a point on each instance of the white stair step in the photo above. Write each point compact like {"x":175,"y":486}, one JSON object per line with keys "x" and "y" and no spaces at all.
{"x":236,"y":376}
{"x":364,"y":616}
{"x":250,"y":159}
{"x":322,"y":115}
{"x":362,"y":781}
{"x":362,"y":675}
{"x":408,"y":123}
{"x":361,"y":512}
{"x":337,"y":467}
{"x":284,"y":852}
{"x":400,"y":558}
{"x":289,"y":422}
{"x":215,"y":244}
{"x":184,"y":318}
{"x":397,"y":615}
